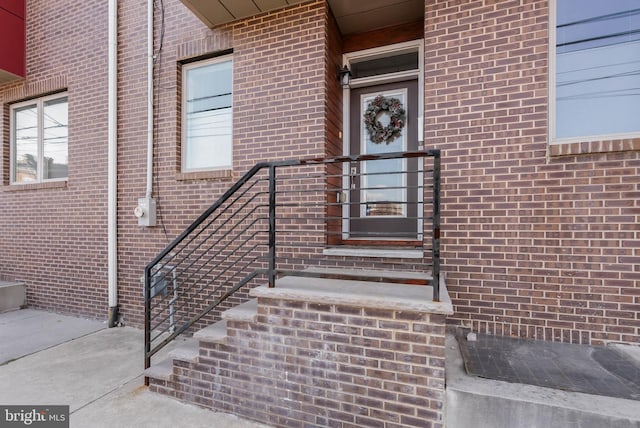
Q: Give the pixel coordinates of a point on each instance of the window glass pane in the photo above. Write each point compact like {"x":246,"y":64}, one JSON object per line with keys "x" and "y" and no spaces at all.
{"x":209,"y":139}
{"x":597,"y":67}
{"x":208,"y":135}
{"x":55,"y":139}
{"x":26,"y":144}
{"x":383,"y":192}
{"x":391,"y":64}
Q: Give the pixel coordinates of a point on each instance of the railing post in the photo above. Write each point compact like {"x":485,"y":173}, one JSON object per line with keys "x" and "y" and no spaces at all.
{"x":435,"y":244}
{"x":147,"y":320}
{"x":272,"y":226}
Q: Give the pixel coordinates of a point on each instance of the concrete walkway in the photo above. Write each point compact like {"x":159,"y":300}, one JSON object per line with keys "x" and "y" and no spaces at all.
{"x":27,"y":331}
{"x":51,"y":359}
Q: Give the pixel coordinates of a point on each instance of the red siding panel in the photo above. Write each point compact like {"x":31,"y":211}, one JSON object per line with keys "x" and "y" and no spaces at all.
{"x":16,"y":7}
{"x":12,"y":33}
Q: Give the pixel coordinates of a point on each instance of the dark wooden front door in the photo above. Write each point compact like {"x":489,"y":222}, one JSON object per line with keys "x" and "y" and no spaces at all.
{"x":383,"y":195}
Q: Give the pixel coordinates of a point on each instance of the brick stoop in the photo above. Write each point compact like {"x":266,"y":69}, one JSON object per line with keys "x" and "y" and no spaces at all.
{"x":320,"y":352}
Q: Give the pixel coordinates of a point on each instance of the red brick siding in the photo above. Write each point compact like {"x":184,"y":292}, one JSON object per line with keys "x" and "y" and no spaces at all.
{"x":279,"y":110}
{"x":333,"y":124}
{"x":53,"y":236}
{"x":333,"y":94}
{"x":535,"y":246}
{"x":538,"y":241}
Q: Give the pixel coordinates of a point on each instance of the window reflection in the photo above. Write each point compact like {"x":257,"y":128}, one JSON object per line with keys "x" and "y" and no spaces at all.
{"x":26,"y":144}
{"x":40,"y":139}
{"x":383,"y":189}
{"x":597,"y":67}
{"x":55,"y":139}
{"x":208,"y":119}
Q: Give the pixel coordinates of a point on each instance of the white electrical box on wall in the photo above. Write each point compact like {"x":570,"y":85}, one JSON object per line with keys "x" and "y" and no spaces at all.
{"x":145,"y":212}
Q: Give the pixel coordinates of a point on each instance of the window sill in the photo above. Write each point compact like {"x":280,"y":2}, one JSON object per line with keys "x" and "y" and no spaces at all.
{"x":204,"y":175}
{"x":35,"y":186}
{"x":589,"y":147}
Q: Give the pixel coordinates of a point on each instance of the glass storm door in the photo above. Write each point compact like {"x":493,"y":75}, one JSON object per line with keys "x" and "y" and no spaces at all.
{"x":383,"y":194}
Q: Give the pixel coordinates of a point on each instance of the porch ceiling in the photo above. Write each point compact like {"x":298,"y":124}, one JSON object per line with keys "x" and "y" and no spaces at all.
{"x":358,"y":16}
{"x":6,"y":76}
{"x":353,"y":16}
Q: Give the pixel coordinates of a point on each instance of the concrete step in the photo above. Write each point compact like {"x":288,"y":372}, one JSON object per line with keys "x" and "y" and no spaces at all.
{"x":218,"y":332}
{"x":13,"y":295}
{"x":245,"y":312}
{"x":188,"y":351}
{"x":381,"y":295}
{"x":214,"y":333}
{"x":162,"y":370}
{"x":486,"y":403}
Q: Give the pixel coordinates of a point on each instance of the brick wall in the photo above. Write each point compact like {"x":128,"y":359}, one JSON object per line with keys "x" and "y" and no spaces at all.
{"x":279,"y":110}
{"x":333,"y":91}
{"x":53,"y":235}
{"x":541,"y":246}
{"x":538,"y":240}
{"x":311,"y":363}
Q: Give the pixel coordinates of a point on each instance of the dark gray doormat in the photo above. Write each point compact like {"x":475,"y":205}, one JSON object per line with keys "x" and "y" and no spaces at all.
{"x":568,"y":367}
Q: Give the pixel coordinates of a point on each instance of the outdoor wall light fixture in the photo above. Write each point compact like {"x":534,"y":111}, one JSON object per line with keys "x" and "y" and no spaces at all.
{"x":344,"y":76}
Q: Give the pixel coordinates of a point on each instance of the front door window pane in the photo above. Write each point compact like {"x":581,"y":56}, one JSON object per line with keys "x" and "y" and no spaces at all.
{"x":383,"y":191}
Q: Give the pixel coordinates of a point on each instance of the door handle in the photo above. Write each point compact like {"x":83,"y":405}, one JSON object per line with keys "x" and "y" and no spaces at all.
{"x":353,"y":172}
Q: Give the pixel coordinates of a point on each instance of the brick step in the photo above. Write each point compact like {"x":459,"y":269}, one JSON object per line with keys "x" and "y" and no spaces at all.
{"x":381,"y":343}
{"x":189,"y":350}
{"x":13,"y":296}
{"x":329,"y":290}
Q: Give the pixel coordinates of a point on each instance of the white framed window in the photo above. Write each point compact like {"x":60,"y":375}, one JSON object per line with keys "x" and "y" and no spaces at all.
{"x":594,"y":70}
{"x":40,"y":140}
{"x":207,"y":115}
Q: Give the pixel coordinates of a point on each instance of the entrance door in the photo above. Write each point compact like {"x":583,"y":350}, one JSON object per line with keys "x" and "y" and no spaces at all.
{"x":383,"y":194}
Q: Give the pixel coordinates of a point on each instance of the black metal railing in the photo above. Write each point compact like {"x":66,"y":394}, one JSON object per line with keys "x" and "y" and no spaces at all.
{"x":294,"y":217}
